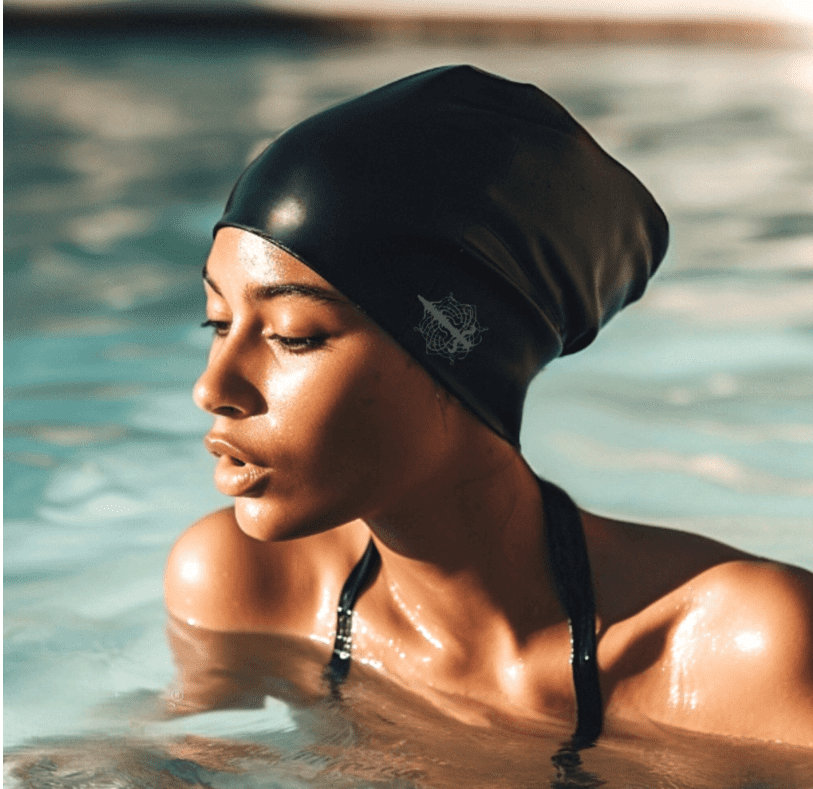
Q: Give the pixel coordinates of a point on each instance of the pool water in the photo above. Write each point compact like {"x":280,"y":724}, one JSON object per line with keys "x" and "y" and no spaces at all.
{"x":693,"y":409}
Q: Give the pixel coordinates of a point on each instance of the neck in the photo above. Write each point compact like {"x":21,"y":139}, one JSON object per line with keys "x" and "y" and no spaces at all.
{"x":463,"y":556}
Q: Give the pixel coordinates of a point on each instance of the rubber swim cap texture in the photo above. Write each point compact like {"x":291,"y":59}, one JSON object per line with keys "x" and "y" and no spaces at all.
{"x":469,"y":216}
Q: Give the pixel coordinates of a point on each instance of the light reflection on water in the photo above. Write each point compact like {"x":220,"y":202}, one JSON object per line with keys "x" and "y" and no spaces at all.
{"x":694,"y":408}
{"x":377,"y":735}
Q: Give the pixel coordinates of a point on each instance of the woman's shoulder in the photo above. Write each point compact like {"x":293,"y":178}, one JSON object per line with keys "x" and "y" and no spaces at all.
{"x":219,"y":578}
{"x":728,"y":636}
{"x":755,"y":615}
{"x":636,"y":566}
{"x":745,"y":635}
{"x":639,"y":566}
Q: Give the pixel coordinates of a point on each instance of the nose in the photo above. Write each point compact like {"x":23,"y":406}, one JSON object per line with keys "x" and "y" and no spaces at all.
{"x":224,"y":390}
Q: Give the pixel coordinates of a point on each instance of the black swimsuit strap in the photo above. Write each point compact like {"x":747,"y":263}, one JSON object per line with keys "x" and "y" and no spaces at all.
{"x":358,"y":580}
{"x":570,"y":569}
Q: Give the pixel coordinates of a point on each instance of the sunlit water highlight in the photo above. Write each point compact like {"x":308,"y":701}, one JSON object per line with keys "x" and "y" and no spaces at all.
{"x":693,"y":409}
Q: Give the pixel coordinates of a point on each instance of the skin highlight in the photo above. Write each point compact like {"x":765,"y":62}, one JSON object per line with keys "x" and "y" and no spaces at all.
{"x":327,"y":432}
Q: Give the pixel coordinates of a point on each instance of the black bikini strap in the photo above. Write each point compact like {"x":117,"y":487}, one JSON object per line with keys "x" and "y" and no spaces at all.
{"x":360,"y":576}
{"x":570,"y":568}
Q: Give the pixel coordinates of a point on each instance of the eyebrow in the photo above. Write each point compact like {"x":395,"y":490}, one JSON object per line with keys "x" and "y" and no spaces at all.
{"x":266,"y":292}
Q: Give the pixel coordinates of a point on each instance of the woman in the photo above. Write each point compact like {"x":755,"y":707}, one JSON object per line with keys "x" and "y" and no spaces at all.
{"x":386,"y":280}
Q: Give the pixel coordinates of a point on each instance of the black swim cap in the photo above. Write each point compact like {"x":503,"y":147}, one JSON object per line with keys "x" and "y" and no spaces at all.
{"x":469,"y":216}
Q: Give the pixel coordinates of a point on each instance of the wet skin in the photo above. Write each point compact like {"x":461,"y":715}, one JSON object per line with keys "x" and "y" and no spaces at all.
{"x":327,"y":432}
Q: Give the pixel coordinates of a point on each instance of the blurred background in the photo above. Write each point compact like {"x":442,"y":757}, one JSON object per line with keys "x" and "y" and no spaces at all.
{"x":126,"y":124}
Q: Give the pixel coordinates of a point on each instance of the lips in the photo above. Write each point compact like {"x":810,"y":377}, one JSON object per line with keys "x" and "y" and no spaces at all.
{"x":235,"y":474}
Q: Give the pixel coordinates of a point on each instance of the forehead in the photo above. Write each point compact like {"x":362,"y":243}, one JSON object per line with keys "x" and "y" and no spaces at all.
{"x":249,"y":257}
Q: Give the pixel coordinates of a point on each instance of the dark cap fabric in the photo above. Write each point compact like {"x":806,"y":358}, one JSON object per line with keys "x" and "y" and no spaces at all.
{"x":471,"y":217}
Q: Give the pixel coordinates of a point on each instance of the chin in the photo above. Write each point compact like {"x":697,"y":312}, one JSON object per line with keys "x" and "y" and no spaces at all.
{"x":255,"y":518}
{"x":264,"y":521}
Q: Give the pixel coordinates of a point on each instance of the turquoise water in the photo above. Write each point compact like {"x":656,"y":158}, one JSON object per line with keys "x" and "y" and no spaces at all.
{"x":694,"y":408}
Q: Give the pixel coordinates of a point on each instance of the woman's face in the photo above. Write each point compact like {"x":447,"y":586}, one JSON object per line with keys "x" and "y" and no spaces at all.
{"x":319,"y":417}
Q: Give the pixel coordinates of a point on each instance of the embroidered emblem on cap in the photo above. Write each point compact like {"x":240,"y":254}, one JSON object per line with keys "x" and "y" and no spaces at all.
{"x":449,"y":327}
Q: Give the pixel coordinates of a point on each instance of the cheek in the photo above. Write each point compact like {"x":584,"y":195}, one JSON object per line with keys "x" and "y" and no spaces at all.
{"x":397,"y":434}
{"x":348,"y":420}
{"x":356,"y":422}
{"x":342,"y":433}
{"x":327,"y":461}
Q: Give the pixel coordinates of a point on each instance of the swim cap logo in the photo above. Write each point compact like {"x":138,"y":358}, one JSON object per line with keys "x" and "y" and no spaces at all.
{"x":449,"y":327}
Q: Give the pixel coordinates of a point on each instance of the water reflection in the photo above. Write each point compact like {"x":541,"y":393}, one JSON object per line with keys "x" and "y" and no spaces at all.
{"x":225,"y":724}
{"x":378,"y":732}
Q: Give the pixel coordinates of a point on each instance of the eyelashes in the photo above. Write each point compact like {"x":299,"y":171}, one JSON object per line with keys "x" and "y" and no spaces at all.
{"x":221,"y":328}
{"x":300,"y":344}
{"x":291,"y":344}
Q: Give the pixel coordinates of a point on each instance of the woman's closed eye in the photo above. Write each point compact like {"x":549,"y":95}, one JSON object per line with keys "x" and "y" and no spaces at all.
{"x":221,"y":328}
{"x":291,"y":344}
{"x":300,"y":344}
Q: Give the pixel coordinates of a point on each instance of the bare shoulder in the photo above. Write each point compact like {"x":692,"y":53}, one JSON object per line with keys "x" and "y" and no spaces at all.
{"x":219,"y":578}
{"x":213,"y":571}
{"x":661,"y":560}
{"x":707,"y":638}
{"x":740,"y":656}
{"x":763,"y":611}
